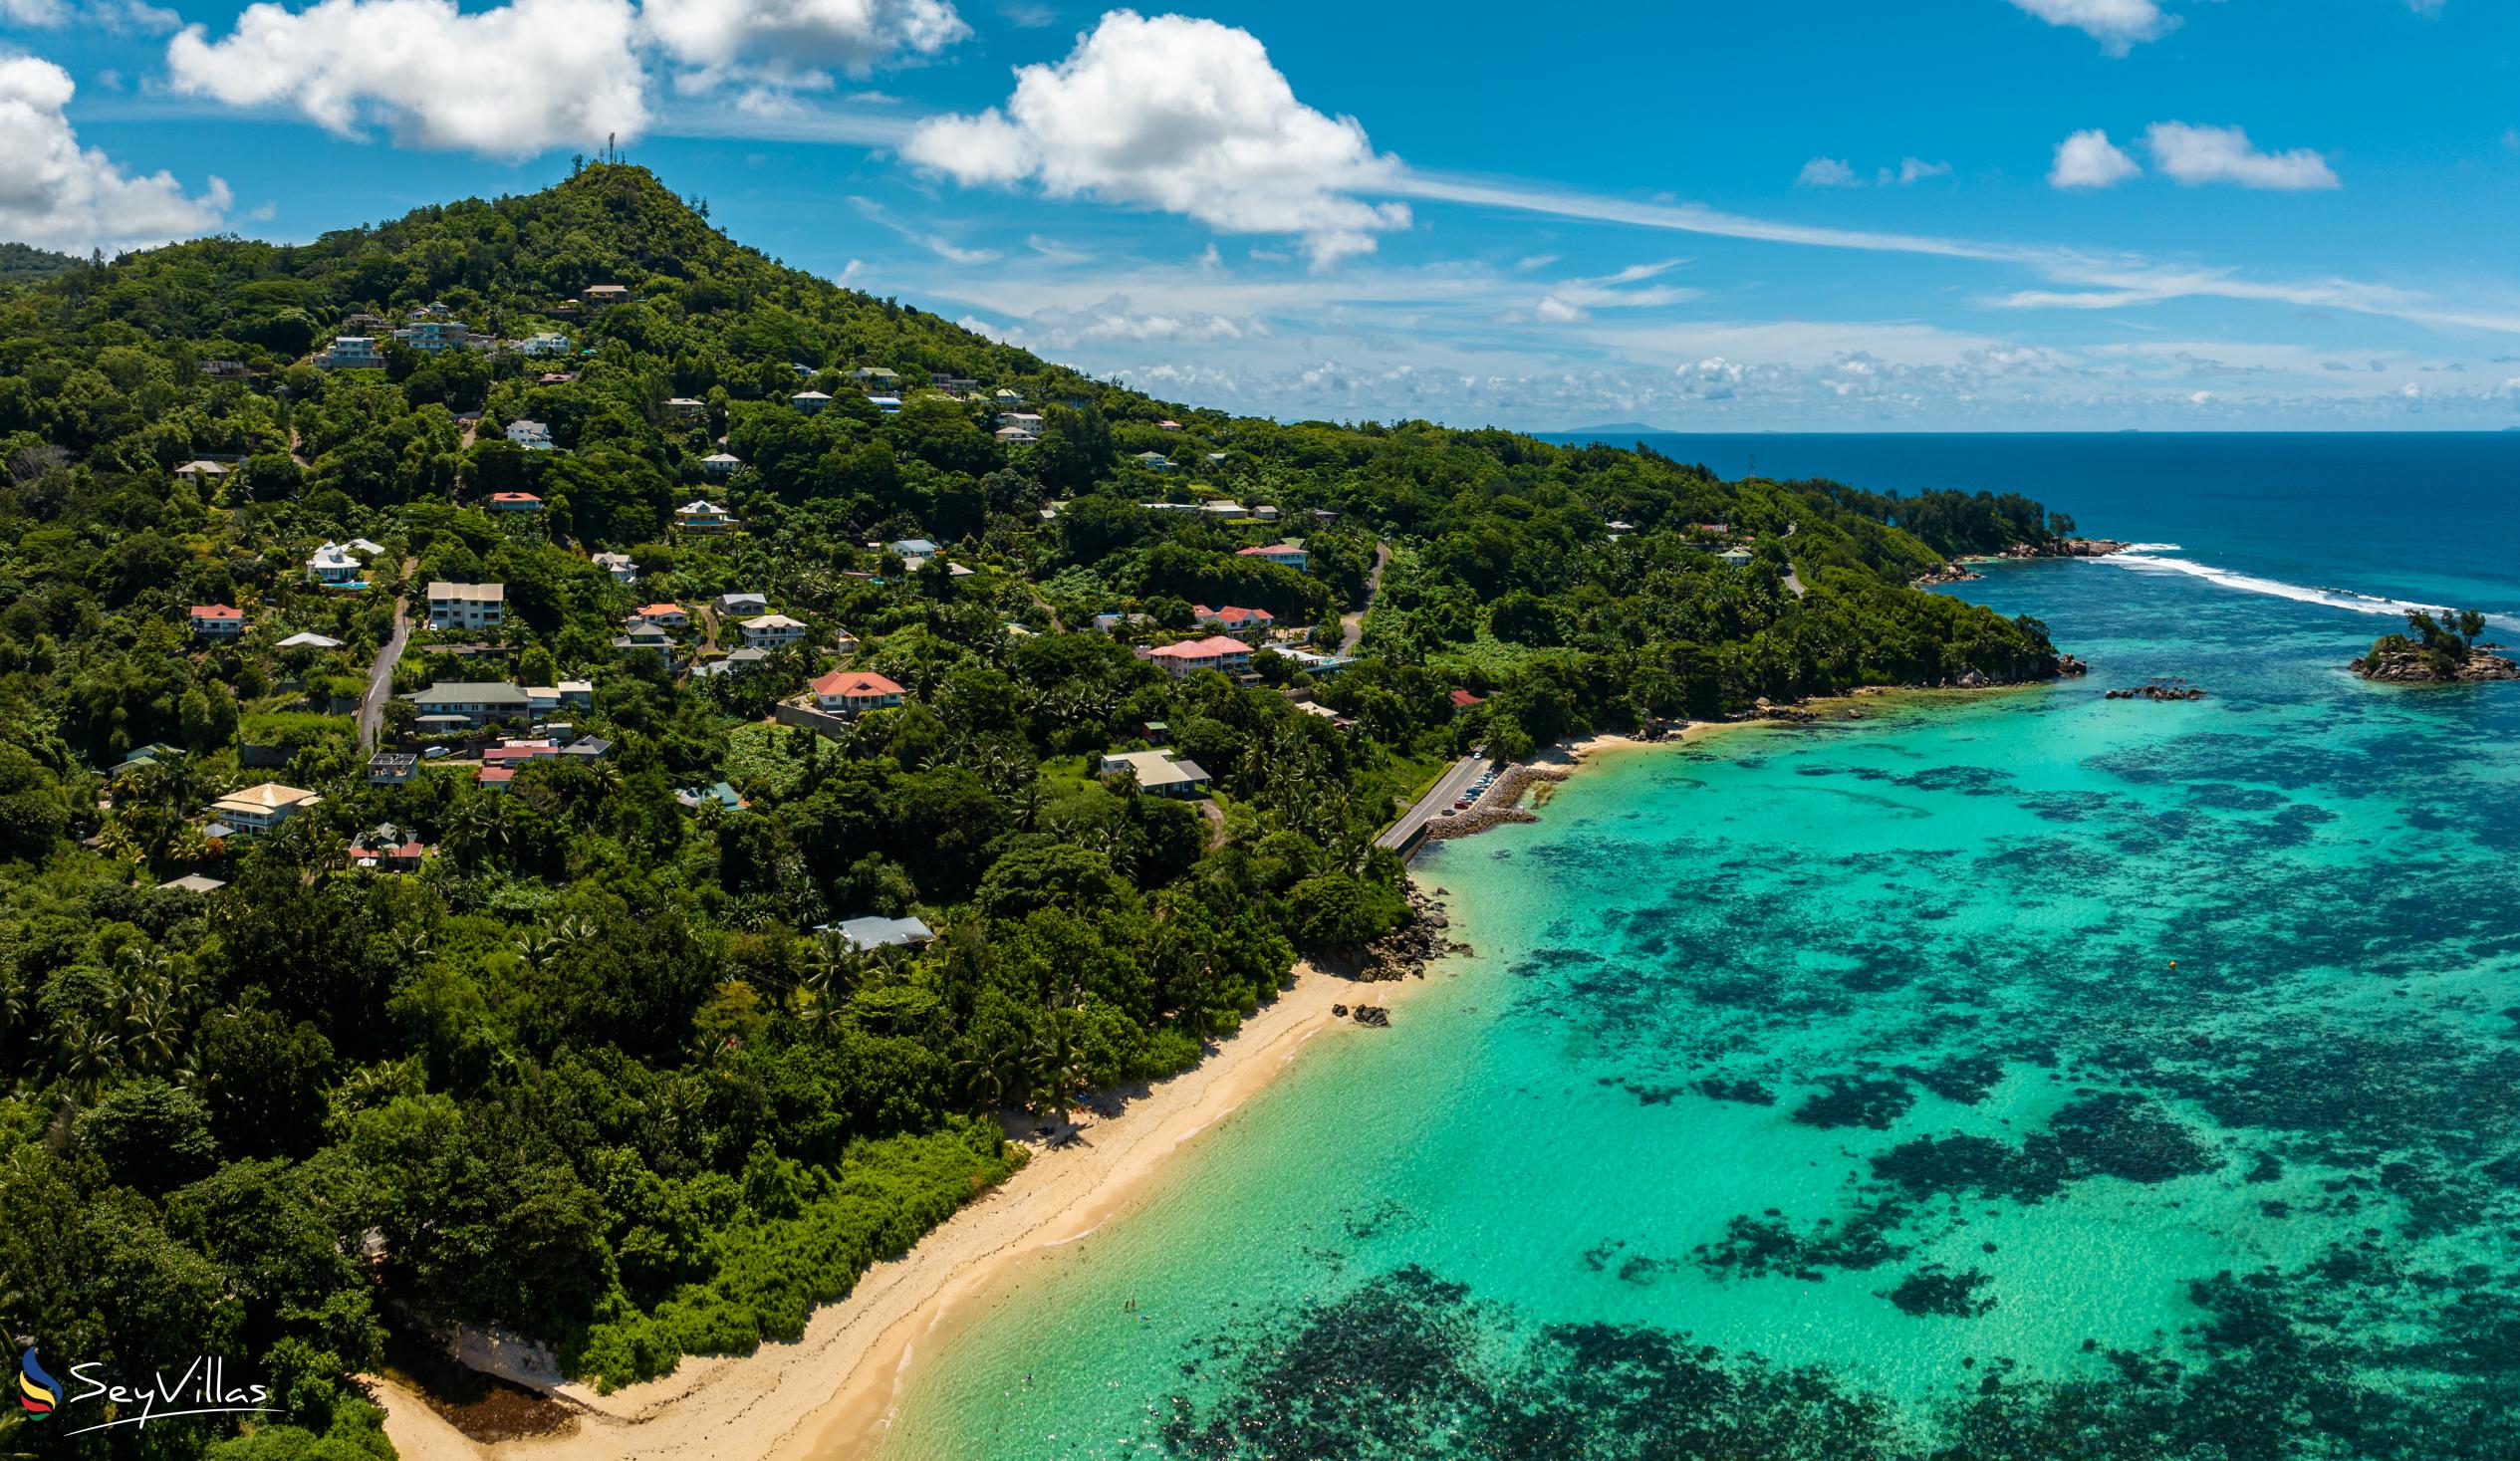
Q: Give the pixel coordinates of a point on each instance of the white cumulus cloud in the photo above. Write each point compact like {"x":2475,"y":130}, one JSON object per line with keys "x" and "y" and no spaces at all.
{"x":2201,"y":154}
{"x":2115,"y":24}
{"x":794,"y":42}
{"x":58,"y":194}
{"x":1826,"y":172}
{"x":1182,"y":114}
{"x":507,"y":82}
{"x":2090,"y":160}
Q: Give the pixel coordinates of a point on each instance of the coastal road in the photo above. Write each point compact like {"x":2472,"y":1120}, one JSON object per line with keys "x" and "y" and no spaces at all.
{"x":372,"y":708}
{"x":1449,"y":789}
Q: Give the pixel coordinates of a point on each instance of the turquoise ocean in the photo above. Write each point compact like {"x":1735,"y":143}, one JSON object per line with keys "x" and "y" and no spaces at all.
{"x":2024,"y":1075}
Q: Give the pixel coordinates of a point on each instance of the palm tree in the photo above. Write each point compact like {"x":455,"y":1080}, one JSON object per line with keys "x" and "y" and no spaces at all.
{"x":87,"y":1057}
{"x":1055,"y":1062}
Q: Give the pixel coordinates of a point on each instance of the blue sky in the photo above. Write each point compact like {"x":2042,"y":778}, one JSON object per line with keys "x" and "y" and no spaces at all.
{"x":1803,"y":214}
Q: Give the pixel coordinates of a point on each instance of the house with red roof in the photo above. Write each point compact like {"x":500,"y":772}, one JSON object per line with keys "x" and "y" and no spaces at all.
{"x":1285,"y":554}
{"x":851,"y":691}
{"x":217,"y":621}
{"x":1463,"y":700}
{"x":662,"y":616}
{"x":1240,"y":623}
{"x":515,"y":502}
{"x":494,"y":778}
{"x":1192,"y":655}
{"x":387,"y":850}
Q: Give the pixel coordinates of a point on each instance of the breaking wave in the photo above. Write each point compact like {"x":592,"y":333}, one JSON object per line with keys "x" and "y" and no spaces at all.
{"x":2146,"y":558}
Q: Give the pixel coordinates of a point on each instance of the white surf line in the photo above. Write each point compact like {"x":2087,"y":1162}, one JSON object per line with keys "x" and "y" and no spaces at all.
{"x":2144,"y":558}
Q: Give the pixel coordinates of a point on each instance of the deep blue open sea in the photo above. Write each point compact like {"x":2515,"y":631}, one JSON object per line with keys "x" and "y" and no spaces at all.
{"x":2429,"y":518}
{"x":2017,"y":1076}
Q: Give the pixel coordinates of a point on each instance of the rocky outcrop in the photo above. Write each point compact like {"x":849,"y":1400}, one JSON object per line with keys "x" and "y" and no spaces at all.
{"x":2412,"y":667}
{"x":2066,"y":548}
{"x":1410,"y":948}
{"x":1954,"y":572}
{"x":2159,"y":690}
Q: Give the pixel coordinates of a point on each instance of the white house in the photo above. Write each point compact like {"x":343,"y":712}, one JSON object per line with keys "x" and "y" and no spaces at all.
{"x":810,"y":402}
{"x":531,"y":435}
{"x":259,"y":808}
{"x":1230,"y":619}
{"x":217,"y":621}
{"x":771,"y":630}
{"x":351,"y":353}
{"x":475,"y":701}
{"x":1213,"y":652}
{"x":746,"y":605}
{"x":684,"y":408}
{"x":466,"y":606}
{"x":1157,"y":773}
{"x":870,"y":933}
{"x":849,"y":691}
{"x":546,"y":343}
{"x":721,"y":465}
{"x":702,"y":516}
{"x":309,"y":640}
{"x":1284,"y":554}
{"x":333,"y":567}
{"x":646,"y":637}
{"x":621,"y":565}
{"x":198,"y":472}
{"x":1737,"y":557}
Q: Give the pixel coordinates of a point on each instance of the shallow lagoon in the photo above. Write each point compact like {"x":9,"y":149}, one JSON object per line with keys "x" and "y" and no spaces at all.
{"x":2018,"y":1074}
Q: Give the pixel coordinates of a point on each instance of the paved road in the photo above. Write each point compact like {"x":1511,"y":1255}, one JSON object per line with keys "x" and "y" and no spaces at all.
{"x":372,"y":709}
{"x":1447,"y":790}
{"x":1351,"y":625}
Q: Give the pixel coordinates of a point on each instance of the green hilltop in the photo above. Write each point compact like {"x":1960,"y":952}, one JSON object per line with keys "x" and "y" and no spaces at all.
{"x":564,"y":1038}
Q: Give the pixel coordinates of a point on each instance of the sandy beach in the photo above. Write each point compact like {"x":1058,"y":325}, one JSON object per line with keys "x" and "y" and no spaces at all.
{"x":831,"y":1394}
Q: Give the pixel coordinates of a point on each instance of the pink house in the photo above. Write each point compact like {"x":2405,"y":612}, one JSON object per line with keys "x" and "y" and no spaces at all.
{"x":1232,"y":620}
{"x":1214,"y":652}
{"x":217,"y":621}
{"x":849,"y":691}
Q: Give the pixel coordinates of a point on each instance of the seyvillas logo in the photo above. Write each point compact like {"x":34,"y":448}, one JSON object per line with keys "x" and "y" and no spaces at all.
{"x":39,"y":1393}
{"x":202,"y":1388}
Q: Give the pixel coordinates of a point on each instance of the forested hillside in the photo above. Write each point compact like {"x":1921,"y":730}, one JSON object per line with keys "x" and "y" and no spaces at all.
{"x":20,"y":262}
{"x":557,"y":1030}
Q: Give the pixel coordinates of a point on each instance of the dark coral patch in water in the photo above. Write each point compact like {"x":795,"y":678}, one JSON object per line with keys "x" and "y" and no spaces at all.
{"x":1856,"y":1100}
{"x":1936,"y":1290}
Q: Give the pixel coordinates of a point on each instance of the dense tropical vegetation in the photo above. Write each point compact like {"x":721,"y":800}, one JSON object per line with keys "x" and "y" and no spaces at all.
{"x":591,"y":1074}
{"x":20,"y":262}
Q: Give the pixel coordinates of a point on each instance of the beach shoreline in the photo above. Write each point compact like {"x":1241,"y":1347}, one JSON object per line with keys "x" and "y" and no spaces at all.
{"x":833,"y":1392}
